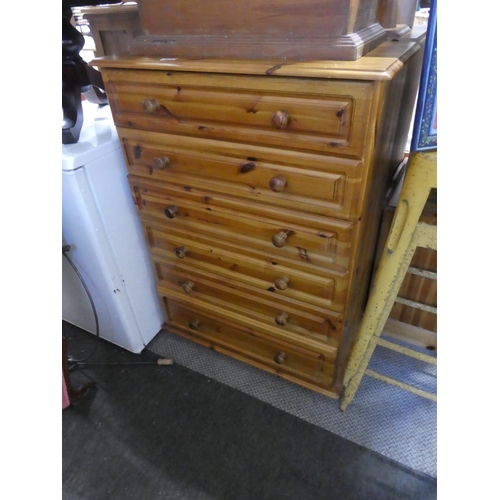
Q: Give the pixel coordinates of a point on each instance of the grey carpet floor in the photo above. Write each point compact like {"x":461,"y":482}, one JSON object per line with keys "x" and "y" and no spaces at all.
{"x":148,"y":432}
{"x":386,"y":419}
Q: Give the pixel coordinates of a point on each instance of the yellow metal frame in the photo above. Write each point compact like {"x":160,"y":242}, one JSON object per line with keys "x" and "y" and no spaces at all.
{"x":406,"y":234}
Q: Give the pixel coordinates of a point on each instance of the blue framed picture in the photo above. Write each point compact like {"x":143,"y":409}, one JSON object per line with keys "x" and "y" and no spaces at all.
{"x":425,"y":125}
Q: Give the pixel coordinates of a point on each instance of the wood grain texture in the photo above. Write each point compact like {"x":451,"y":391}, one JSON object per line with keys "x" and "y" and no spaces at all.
{"x":306,"y":282}
{"x":262,"y":232}
{"x":289,"y":29}
{"x":326,"y":185}
{"x":313,"y":239}
{"x":381,"y":63}
{"x":251,"y":345}
{"x":189,"y":17}
{"x":236,"y":108}
{"x":113,"y":27}
{"x":299,"y":319}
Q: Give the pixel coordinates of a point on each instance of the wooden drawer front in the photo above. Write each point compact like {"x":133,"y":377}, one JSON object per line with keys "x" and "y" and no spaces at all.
{"x":278,"y":356}
{"x":313,"y":183}
{"x":326,"y":116}
{"x":311,"y":239}
{"x":288,"y":315}
{"x":278,"y":276}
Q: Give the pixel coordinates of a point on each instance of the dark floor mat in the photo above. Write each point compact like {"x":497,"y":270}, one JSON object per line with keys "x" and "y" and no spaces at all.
{"x":167,"y":432}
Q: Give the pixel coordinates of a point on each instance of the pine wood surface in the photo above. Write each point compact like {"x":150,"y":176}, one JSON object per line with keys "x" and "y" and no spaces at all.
{"x":263,"y":235}
{"x":306,"y":282}
{"x":239,"y":108}
{"x":301,"y":318}
{"x":326,"y":185}
{"x":246,"y":344}
{"x":319,"y":240}
{"x":381,"y":63}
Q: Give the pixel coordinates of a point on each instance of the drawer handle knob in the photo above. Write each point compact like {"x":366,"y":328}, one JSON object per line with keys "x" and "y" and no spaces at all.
{"x":279,"y":239}
{"x":188,"y":286}
{"x":194,"y":324}
{"x":150,"y":106}
{"x":161,"y":162}
{"x":280,"y":119}
{"x":281,"y":319}
{"x":171,"y":211}
{"x":280,"y":357}
{"x":277,"y":184}
{"x":180,"y":252}
{"x":281,"y":283}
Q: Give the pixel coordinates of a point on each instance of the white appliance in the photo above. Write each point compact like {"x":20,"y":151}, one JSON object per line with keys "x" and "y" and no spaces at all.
{"x":108,"y":245}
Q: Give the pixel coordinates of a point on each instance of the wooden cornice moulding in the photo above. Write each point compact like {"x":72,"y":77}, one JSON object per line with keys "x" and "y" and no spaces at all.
{"x":344,"y":48}
{"x":343,"y":30}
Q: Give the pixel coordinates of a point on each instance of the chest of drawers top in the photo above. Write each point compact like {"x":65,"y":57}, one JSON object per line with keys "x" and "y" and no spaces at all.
{"x":381,"y":63}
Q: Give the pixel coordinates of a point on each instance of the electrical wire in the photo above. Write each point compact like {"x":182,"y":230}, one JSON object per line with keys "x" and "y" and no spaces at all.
{"x":65,"y":250}
{"x":78,"y":363}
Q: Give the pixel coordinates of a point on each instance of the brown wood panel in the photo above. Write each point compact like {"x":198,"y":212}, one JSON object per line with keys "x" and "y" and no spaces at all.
{"x":380,"y":64}
{"x":322,"y":116}
{"x":318,"y":240}
{"x":299,"y":362}
{"x":306,"y":182}
{"x":211,"y":216}
{"x":192,"y":251}
{"x":290,"y":316}
{"x":113,"y":27}
{"x":241,"y":320}
{"x":263,"y":18}
{"x":288,"y":29}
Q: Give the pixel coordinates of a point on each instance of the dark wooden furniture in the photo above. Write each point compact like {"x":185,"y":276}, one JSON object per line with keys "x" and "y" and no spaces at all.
{"x":113,"y":27}
{"x":278,"y":29}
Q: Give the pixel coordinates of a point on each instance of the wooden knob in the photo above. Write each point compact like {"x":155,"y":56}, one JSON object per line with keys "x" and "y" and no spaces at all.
{"x":161,"y":162}
{"x":280,"y":357}
{"x":194,"y":324}
{"x":279,"y":239}
{"x":278,"y":183}
{"x":188,"y":286}
{"x":281,"y":319}
{"x":180,"y":252}
{"x":281,"y":283}
{"x":171,"y":211}
{"x":280,"y":119}
{"x":150,"y":106}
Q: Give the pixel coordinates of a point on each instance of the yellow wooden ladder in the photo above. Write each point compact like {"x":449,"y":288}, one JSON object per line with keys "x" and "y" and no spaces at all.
{"x":407,"y":232}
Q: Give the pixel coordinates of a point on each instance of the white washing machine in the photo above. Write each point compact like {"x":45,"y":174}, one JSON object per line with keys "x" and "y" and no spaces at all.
{"x":108,"y":245}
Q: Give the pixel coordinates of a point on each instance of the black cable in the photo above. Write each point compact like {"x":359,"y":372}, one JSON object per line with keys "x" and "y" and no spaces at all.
{"x":65,"y":250}
{"x":78,"y":363}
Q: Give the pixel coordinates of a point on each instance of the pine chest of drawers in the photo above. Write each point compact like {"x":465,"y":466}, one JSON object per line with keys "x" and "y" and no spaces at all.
{"x":260,"y":188}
